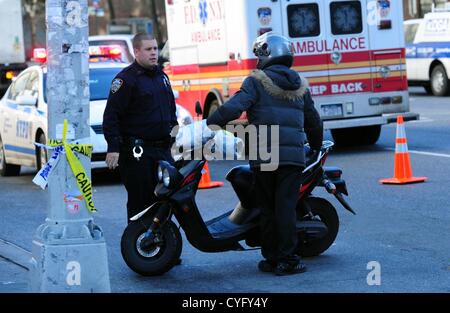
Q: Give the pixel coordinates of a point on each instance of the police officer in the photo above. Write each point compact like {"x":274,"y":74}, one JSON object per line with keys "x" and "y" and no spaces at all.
{"x":139,"y":116}
{"x":276,"y":95}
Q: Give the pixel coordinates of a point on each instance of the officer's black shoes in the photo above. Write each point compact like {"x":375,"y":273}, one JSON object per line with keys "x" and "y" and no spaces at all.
{"x":267,"y":266}
{"x":178,"y":262}
{"x":284,"y":268}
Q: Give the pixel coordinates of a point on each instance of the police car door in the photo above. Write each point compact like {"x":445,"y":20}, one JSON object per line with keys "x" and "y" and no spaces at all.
{"x":16,"y":136}
{"x":304,"y":25}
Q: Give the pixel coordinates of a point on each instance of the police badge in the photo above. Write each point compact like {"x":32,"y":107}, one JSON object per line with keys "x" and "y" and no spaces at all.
{"x":116,"y":84}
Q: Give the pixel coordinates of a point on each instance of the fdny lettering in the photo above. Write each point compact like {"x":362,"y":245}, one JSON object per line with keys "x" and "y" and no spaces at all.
{"x":215,"y":11}
{"x":319,"y":46}
{"x":346,"y":88}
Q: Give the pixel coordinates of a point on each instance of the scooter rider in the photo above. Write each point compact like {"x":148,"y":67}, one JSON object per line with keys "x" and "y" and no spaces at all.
{"x":275,"y":95}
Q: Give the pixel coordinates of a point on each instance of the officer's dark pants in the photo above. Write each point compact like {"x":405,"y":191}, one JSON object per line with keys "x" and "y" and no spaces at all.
{"x":140,"y":177}
{"x":277,"y":192}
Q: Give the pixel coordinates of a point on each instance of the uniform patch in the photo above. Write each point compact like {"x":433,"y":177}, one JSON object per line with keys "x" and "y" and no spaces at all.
{"x":116,"y":84}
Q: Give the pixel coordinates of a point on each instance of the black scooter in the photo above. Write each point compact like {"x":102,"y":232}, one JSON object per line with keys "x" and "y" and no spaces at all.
{"x":151,"y":244}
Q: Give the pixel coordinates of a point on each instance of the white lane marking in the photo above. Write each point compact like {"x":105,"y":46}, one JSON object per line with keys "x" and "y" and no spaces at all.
{"x":442,"y":155}
{"x":422,"y":120}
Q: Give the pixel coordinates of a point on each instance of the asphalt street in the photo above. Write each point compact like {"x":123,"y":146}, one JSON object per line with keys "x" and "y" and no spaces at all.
{"x":402,"y":228}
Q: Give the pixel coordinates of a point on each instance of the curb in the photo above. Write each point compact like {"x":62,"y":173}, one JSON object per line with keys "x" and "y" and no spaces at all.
{"x":15,"y":254}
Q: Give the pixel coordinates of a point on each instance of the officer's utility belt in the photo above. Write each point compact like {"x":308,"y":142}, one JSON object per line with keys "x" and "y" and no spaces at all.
{"x":137,"y":145}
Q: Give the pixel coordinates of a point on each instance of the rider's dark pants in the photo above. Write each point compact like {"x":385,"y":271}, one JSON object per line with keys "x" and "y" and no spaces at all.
{"x":277,"y":193}
{"x":140,"y":177}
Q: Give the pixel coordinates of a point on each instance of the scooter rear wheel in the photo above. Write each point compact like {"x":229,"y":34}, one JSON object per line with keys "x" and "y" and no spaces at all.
{"x":324,"y":210}
{"x":155,"y":258}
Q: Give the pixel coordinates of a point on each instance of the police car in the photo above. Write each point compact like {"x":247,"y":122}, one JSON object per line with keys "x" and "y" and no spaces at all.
{"x":23,"y":117}
{"x":122,"y":42}
{"x":428,"y":52}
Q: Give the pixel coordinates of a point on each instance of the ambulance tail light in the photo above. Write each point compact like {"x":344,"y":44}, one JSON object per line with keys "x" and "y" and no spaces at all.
{"x":386,"y":100}
{"x":385,"y":24}
{"x":397,"y":99}
{"x":40,"y":55}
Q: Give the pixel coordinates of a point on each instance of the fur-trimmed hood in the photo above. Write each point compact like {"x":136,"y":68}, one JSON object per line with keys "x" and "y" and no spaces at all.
{"x":282,"y":82}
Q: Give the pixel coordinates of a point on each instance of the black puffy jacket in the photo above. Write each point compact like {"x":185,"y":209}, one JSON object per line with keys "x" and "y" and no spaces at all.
{"x":276,"y":96}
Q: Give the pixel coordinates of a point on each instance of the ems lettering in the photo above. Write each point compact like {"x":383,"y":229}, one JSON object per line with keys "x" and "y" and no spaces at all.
{"x":246,"y":302}
{"x":194,"y":303}
{"x":347,"y":88}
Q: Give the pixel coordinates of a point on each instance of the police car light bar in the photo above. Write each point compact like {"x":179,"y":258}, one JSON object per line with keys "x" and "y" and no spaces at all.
{"x":111,"y":52}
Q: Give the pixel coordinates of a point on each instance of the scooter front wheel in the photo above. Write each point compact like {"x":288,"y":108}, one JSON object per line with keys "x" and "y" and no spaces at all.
{"x":151,"y":256}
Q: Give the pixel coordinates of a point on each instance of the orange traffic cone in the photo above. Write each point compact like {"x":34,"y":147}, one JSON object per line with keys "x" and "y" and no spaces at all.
{"x":402,"y":165}
{"x":205,"y":181}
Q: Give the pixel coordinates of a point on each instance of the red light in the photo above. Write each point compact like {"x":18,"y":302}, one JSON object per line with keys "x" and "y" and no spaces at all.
{"x":115,"y":52}
{"x":169,"y":2}
{"x":40,"y":55}
{"x":111,"y":52}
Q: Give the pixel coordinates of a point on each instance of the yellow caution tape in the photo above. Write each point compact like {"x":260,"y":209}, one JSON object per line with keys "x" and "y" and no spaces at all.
{"x":83,"y":181}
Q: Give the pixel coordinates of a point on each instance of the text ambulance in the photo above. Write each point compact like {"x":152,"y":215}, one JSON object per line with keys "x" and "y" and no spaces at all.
{"x":351,"y":52}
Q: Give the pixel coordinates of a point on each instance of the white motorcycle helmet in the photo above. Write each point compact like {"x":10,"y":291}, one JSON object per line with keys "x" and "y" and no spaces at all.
{"x":271,"y":48}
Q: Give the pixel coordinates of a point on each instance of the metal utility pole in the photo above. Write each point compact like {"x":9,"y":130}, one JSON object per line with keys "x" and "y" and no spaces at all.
{"x":69,"y":250}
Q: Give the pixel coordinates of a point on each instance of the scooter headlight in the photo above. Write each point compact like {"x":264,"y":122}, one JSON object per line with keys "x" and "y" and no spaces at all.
{"x":166,"y":177}
{"x":160,"y":173}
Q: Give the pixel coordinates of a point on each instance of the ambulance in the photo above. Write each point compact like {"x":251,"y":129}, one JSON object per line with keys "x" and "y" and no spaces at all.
{"x":351,"y":52}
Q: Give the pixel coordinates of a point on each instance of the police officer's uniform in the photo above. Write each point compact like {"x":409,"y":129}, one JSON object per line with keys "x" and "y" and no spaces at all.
{"x":139,"y":116}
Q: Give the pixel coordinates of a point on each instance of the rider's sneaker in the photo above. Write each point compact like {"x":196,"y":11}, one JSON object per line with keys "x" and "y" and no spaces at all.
{"x":284,"y":268}
{"x":267,"y":266}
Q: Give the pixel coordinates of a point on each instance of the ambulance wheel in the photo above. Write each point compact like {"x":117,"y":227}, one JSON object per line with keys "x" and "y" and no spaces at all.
{"x":5,"y":168}
{"x":439,"y":81}
{"x":213,"y":106}
{"x":364,"y":135}
{"x":41,"y":153}
{"x":151,"y":256}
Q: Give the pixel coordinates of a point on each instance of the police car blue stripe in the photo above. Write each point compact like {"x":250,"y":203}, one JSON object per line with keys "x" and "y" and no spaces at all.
{"x":20,"y":149}
{"x":428,"y":50}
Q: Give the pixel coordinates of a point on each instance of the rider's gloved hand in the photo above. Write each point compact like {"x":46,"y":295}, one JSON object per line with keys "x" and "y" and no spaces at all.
{"x":207,"y":133}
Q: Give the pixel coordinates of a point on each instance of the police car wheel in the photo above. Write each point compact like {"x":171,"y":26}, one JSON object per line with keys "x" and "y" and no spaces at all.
{"x":325,"y":211}
{"x":439,"y":81}
{"x":41,"y":153}
{"x":5,"y":168}
{"x":151,"y":259}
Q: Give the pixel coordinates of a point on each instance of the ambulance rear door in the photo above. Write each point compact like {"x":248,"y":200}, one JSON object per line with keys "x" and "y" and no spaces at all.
{"x":304,"y":24}
{"x":349,"y":58}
